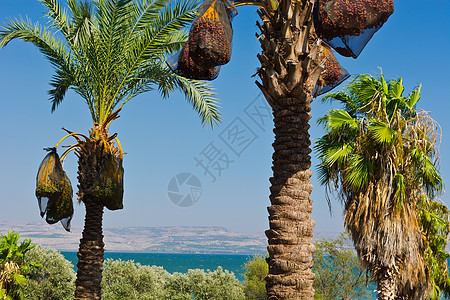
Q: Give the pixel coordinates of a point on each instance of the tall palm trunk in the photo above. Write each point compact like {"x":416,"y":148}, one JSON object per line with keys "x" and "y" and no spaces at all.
{"x":289,"y":73}
{"x":90,"y":253}
{"x":386,"y":286}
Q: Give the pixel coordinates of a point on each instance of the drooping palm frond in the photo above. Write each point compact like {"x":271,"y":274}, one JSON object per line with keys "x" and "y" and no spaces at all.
{"x":58,"y":15}
{"x":54,"y":51}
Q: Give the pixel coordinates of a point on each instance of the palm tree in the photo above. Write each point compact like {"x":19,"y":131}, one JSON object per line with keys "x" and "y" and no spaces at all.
{"x":380,"y":152}
{"x":290,"y":68}
{"x":108,"y":52}
{"x":293,"y":70}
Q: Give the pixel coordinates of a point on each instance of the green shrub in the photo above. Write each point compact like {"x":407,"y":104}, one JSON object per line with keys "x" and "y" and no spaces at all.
{"x":55,"y":280}
{"x":14,"y":270}
{"x":339,"y":273}
{"x":256,"y":270}
{"x":132,"y":281}
{"x":217,"y":285}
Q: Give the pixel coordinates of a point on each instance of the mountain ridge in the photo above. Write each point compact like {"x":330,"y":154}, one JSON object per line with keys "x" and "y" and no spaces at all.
{"x":161,"y":239}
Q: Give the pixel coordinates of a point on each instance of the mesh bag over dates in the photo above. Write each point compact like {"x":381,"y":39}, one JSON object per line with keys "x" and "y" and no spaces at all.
{"x":54,"y":191}
{"x":211,"y":34}
{"x":186,"y":67}
{"x":108,"y":187}
{"x":332,"y":75}
{"x":347,"y":26}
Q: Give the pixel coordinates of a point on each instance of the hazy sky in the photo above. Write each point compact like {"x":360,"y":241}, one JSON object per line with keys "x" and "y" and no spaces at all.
{"x":164,"y":138}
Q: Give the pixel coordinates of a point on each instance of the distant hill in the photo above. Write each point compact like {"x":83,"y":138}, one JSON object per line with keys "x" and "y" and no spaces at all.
{"x":169,"y":239}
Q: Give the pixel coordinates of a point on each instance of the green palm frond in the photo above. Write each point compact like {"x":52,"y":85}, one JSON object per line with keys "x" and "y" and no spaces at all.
{"x":338,"y":154}
{"x":414,"y":97}
{"x":381,"y":133}
{"x":366,"y":89}
{"x":338,"y":119}
{"x":168,"y":22}
{"x":58,"y":15}
{"x":323,"y":173}
{"x":358,"y":172}
{"x":114,"y":50}
{"x":427,"y":171}
{"x":61,"y":82}
{"x":396,"y":88}
{"x":399,"y":190}
{"x":202,"y":99}
{"x":82,"y":29}
{"x":145,"y":12}
{"x":55,"y":52}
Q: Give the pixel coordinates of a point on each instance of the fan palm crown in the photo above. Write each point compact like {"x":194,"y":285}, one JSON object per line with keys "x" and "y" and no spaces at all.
{"x":380,"y":152}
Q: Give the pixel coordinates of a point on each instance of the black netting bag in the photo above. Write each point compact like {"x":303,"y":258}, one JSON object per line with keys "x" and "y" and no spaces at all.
{"x":186,"y":67}
{"x":347,"y":26}
{"x":54,"y":191}
{"x":332,"y":75}
{"x":109,"y":185}
{"x":211,"y":34}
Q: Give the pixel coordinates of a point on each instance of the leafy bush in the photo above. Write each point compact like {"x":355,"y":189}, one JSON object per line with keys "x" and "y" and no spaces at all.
{"x":54,"y":280}
{"x":217,"y":285}
{"x":133,"y":281}
{"x":339,"y":273}
{"x":129,"y":280}
{"x":255,"y":271}
{"x":14,"y":270}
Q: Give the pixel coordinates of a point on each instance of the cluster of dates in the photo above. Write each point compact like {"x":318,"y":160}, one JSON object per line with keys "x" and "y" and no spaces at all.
{"x":348,"y":26}
{"x":333,"y":74}
{"x":108,"y":187}
{"x":54,"y":191}
{"x":210,"y":41}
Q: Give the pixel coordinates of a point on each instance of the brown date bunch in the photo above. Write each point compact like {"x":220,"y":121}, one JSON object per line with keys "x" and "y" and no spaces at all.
{"x":378,"y":11}
{"x":208,"y":43}
{"x":188,"y":68}
{"x":332,"y":72}
{"x":349,"y":16}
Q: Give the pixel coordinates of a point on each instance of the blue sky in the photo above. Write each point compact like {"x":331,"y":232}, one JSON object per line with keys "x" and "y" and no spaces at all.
{"x":162,"y":138}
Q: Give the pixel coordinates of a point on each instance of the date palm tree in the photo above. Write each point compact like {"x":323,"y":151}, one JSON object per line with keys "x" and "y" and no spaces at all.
{"x":380,"y":152}
{"x":290,"y":69}
{"x":108,"y":52}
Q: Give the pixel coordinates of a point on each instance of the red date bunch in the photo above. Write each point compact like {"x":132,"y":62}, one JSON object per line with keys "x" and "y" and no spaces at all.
{"x":338,"y":18}
{"x":332,"y":72}
{"x":341,"y":17}
{"x":327,"y":29}
{"x":208,"y":43}
{"x":378,"y":11}
{"x":188,"y":68}
{"x":349,"y":16}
